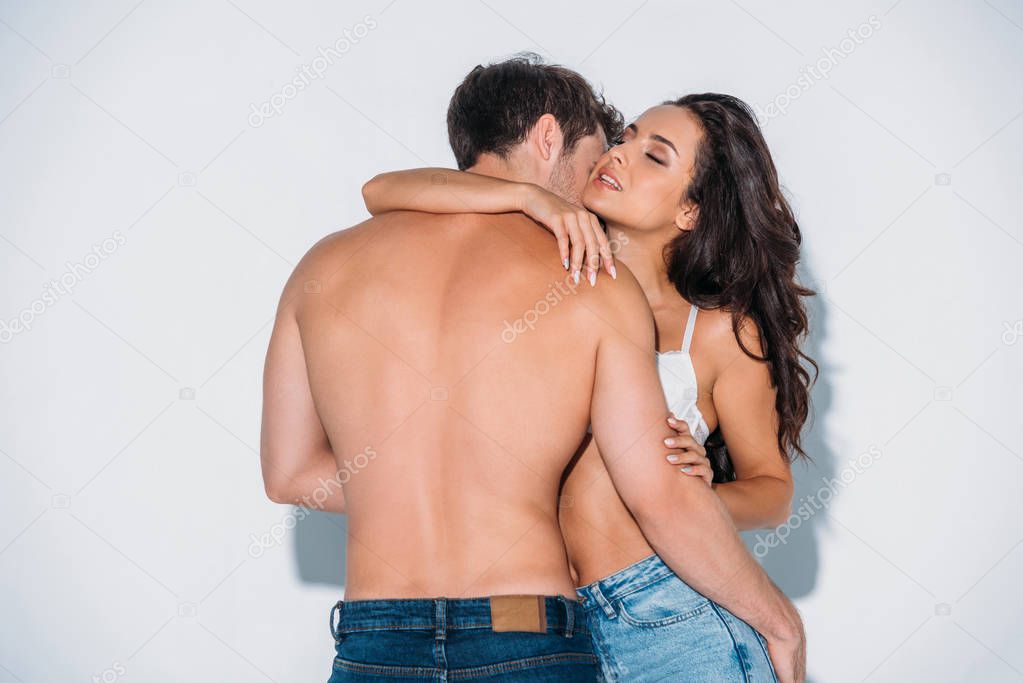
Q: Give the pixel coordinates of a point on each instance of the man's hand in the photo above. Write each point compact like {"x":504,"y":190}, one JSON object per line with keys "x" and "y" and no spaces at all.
{"x":788,"y":652}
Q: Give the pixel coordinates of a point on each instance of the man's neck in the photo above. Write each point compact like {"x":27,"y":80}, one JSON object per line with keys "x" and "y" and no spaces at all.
{"x":505,"y":169}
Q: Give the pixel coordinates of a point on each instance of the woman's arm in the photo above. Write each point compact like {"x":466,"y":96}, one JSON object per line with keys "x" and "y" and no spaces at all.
{"x":440,"y":190}
{"x":761,"y":495}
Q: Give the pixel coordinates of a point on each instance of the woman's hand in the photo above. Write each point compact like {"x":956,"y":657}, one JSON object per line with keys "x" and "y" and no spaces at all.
{"x":693,"y":459}
{"x":579,"y":234}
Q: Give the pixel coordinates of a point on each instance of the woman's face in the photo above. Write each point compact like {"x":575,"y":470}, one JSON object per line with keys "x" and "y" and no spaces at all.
{"x":640,"y":182}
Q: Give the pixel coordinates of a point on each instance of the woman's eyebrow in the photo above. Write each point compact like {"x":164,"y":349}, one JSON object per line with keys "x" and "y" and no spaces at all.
{"x":655,"y":136}
{"x":661,"y":138}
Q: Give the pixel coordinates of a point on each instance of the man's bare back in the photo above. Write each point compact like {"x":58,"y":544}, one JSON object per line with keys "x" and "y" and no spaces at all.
{"x":408,"y":325}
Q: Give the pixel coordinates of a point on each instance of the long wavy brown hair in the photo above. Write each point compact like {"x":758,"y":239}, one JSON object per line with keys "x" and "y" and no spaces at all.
{"x":741,"y":256}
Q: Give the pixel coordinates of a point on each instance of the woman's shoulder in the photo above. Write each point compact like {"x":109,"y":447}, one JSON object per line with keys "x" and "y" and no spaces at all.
{"x":715,"y":337}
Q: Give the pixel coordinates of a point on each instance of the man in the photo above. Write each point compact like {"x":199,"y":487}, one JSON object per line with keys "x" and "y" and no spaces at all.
{"x":392,"y":343}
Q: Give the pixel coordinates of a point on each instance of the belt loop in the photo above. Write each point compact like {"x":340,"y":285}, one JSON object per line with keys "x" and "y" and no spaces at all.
{"x":604,"y":603}
{"x":569,"y":616}
{"x":336,"y":632}
{"x":440,"y":619}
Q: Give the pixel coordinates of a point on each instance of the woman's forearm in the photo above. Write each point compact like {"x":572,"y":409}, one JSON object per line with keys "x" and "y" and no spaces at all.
{"x":756,"y":503}
{"x":442,"y":190}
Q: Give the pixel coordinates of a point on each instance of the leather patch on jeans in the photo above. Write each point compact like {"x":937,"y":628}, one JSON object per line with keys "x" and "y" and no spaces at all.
{"x":518,"y":613}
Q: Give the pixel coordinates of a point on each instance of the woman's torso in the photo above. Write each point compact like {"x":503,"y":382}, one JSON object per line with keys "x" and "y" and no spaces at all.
{"x":600,"y":533}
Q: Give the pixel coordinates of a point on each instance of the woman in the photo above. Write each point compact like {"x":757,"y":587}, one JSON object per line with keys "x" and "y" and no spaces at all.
{"x":691,"y":199}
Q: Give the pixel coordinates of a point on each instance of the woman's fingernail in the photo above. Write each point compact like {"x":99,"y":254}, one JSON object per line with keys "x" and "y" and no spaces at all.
{"x":614,"y":273}
{"x":674,"y":458}
{"x":687,"y":469}
{"x":593,"y":278}
{"x":565,"y":263}
{"x":575,"y":276}
{"x":672,"y":421}
{"x":669,"y":442}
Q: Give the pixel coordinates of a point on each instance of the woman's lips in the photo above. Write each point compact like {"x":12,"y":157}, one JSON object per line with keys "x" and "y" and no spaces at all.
{"x":608,"y":179}
{"x":607,"y":182}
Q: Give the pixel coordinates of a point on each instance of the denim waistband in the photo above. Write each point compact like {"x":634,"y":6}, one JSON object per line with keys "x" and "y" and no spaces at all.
{"x":564,"y":615}
{"x":624,"y":581}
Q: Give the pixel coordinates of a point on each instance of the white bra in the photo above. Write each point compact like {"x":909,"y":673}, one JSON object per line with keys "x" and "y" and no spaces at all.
{"x":678,"y":378}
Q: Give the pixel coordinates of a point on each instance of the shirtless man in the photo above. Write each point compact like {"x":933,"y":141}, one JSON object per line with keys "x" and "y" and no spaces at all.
{"x":391,"y":370}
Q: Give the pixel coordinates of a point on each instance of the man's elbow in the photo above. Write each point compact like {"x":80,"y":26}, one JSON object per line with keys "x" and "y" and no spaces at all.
{"x":661,"y":506}
{"x":369,"y":194}
{"x":275,"y":492}
{"x":276,"y":487}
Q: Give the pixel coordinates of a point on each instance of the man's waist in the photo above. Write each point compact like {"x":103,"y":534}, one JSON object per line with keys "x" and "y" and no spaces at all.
{"x":529,"y":613}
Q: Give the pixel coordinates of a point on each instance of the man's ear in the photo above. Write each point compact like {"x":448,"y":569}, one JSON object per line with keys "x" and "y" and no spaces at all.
{"x":545,"y":138}
{"x":685,"y":219}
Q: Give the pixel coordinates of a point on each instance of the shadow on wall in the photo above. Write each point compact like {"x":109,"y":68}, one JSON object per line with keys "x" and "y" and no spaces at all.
{"x":320,"y":548}
{"x":790,"y":552}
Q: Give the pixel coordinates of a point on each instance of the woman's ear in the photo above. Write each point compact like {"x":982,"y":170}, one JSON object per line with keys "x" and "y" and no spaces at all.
{"x":685,"y":219}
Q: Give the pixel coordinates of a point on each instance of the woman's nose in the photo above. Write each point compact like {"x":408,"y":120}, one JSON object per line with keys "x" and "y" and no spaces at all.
{"x":616,"y":156}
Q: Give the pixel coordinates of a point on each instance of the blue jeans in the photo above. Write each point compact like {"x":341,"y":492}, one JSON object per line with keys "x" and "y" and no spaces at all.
{"x":647,"y":624}
{"x":446,"y":639}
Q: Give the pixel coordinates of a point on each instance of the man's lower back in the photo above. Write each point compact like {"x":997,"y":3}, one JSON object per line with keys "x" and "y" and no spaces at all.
{"x":408,"y":356}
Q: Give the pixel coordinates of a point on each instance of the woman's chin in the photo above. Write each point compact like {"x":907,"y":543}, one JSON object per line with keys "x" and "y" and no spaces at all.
{"x":596,"y":201}
{"x":604,"y":208}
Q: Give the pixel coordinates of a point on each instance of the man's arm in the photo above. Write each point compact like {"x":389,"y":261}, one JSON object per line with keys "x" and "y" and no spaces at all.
{"x":684,"y":521}
{"x":295,"y":452}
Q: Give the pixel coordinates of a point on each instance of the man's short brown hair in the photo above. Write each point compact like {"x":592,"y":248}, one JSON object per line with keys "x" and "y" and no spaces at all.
{"x":495,"y":107}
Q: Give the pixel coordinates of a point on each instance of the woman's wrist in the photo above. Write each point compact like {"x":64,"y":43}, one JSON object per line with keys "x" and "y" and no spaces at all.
{"x":524,"y":196}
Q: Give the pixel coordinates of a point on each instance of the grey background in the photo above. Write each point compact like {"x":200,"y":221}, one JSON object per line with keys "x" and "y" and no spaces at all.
{"x":132,"y":502}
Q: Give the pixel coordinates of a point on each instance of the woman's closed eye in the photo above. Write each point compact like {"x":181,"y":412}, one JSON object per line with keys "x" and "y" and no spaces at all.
{"x":654,"y":159}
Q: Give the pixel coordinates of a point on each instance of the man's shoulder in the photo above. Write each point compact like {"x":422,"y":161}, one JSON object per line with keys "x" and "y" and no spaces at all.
{"x":331,"y":249}
{"x":622,"y":295}
{"x":619,"y":305}
{"x":341,"y":242}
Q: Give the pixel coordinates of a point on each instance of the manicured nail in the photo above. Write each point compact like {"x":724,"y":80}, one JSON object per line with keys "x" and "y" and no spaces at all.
{"x":672,"y":421}
{"x":593,"y":278}
{"x":614,"y":272}
{"x":687,"y":469}
{"x":669,"y":442}
{"x":575,"y":276}
{"x":565,"y":263}
{"x":674,"y":458}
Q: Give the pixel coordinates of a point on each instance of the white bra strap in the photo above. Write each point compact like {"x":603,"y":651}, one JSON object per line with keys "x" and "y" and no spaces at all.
{"x":687,"y":338}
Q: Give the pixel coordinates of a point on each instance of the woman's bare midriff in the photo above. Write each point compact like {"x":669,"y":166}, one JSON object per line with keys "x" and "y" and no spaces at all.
{"x":600,"y":533}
